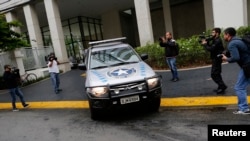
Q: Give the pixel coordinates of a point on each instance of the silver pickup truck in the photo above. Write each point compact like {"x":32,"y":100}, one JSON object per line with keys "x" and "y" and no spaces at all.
{"x":117,"y":77}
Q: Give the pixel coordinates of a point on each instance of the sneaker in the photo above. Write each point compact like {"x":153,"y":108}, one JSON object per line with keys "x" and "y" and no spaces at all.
{"x":57,"y":92}
{"x":247,"y":112}
{"x":176,"y":79}
{"x":59,"y":89}
{"x":26,"y":106}
{"x":15,"y":110}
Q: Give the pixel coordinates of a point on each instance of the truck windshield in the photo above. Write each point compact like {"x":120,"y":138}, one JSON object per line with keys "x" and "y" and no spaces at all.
{"x":111,"y":57}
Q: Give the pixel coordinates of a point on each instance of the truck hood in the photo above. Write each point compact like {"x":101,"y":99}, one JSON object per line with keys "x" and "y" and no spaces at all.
{"x":118,"y":74}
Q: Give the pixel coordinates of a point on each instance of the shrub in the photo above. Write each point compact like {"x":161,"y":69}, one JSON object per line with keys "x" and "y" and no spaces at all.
{"x":191,"y":53}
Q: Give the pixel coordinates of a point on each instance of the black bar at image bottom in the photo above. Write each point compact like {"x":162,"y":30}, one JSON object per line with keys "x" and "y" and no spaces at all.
{"x":239,"y":132}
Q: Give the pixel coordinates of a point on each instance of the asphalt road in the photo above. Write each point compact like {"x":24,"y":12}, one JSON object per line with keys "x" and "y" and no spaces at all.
{"x":195,"y":84}
{"x":75,"y":125}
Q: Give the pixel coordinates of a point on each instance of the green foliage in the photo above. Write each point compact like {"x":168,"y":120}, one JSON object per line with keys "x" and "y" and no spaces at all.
{"x":191,"y":53}
{"x":155,"y":53}
{"x":243,"y":30}
{"x":9,"y":39}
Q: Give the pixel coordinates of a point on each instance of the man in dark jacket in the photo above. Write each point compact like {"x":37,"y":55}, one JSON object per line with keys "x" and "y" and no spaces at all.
{"x":215,"y":46}
{"x":171,"y":51}
{"x":11,"y":78}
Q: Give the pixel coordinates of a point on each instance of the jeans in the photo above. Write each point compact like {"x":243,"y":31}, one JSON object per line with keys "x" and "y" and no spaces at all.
{"x":55,"y":80}
{"x":13,"y":93}
{"x":172,"y":65}
{"x":241,"y":91}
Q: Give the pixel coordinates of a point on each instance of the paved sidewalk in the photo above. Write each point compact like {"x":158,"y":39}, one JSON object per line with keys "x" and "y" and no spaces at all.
{"x":195,"y":88}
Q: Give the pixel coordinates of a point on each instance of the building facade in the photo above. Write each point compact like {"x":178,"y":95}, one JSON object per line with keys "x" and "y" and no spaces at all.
{"x":68,"y":26}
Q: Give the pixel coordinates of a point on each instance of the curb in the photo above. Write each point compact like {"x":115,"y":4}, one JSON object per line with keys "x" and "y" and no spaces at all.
{"x":165,"y":102}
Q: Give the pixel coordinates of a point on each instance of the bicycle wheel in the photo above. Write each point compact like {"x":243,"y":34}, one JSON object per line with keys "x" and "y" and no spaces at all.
{"x":31,"y":77}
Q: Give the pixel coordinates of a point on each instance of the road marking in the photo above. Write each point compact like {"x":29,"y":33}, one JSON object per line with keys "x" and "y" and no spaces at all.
{"x":165,"y":102}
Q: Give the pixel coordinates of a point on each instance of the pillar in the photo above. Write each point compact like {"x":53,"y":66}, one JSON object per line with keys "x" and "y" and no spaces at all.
{"x":33,"y":26}
{"x":209,"y":17}
{"x":111,"y":24}
{"x":11,"y":16}
{"x":144,"y":21}
{"x":56,"y":32}
{"x":167,"y":16}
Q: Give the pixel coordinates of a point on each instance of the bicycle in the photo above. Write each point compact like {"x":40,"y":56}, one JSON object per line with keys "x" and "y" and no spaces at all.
{"x":27,"y":78}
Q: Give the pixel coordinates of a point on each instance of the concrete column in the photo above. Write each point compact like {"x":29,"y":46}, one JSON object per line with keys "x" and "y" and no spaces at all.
{"x":11,"y":16}
{"x":209,"y":17}
{"x":33,"y":26}
{"x":245,"y":12}
{"x":248,"y":12}
{"x":111,"y":24}
{"x":56,"y":32}
{"x":144,"y":21}
{"x":167,"y":16}
{"x":19,"y":60}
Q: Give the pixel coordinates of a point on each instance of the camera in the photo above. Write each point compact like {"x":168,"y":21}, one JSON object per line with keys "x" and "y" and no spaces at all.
{"x":160,"y":39}
{"x":50,"y":58}
{"x":14,"y":70}
{"x":219,"y":55}
{"x":205,"y":37}
{"x":226,"y":53}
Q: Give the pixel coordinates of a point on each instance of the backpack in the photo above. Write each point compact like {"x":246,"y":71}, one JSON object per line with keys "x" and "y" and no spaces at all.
{"x":246,"y":39}
{"x":177,"y":48}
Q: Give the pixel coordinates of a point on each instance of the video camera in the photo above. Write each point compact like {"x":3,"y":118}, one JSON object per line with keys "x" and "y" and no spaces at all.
{"x":16,"y":72}
{"x":205,"y":37}
{"x":50,"y":57}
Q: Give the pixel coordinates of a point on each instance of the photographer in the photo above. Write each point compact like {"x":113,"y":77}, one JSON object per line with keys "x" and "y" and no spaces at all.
{"x":171,"y":51}
{"x":11,"y":78}
{"x":239,"y":53}
{"x":54,"y":72}
{"x":215,"y":46}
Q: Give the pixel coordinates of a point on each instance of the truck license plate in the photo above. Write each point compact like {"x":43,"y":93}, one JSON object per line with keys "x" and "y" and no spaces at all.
{"x":131,"y":99}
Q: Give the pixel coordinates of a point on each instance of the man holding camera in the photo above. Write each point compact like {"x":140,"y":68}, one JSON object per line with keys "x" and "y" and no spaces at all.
{"x":239,"y":53}
{"x":215,"y":46}
{"x":11,"y":78}
{"x":171,"y":51}
{"x":54,"y":72}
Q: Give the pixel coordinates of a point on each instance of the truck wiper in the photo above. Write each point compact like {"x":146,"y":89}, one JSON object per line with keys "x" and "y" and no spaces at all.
{"x":99,"y":67}
{"x":123,"y":63}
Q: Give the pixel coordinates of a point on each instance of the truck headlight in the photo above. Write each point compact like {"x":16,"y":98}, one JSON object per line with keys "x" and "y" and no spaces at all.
{"x":152,"y":82}
{"x":98,"y":91}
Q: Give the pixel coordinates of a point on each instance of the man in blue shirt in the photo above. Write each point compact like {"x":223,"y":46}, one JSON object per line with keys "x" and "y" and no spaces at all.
{"x":239,"y":53}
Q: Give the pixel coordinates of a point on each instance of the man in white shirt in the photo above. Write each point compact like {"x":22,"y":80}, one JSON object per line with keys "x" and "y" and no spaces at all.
{"x":54,"y":72}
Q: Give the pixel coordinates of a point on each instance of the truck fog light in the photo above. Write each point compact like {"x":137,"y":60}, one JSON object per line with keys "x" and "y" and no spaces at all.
{"x":140,"y":87}
{"x":116,"y":91}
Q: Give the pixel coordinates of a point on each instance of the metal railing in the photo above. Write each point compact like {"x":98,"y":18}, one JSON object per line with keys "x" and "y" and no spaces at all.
{"x":33,"y":58}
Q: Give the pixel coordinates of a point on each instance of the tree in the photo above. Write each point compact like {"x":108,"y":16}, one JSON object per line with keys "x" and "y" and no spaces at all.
{"x":9,"y":39}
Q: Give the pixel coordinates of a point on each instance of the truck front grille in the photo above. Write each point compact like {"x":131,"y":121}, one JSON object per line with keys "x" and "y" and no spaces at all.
{"x":128,"y":89}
